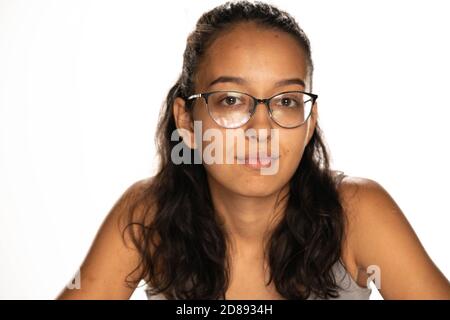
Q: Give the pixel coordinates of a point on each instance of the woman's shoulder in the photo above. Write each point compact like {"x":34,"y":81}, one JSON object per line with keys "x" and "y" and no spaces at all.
{"x":381,"y":238}
{"x":138,"y":186}
{"x":364,"y":199}
{"x":138,"y":191}
{"x":371,"y":214}
{"x":358,"y":193}
{"x":135,"y":203}
{"x":355,"y":182}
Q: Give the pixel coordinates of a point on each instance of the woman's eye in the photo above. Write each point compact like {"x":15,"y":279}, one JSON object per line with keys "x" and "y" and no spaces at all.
{"x":288,"y":102}
{"x":230,"y":100}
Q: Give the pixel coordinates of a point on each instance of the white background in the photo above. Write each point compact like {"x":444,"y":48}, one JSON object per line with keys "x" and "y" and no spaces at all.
{"x":81,"y":84}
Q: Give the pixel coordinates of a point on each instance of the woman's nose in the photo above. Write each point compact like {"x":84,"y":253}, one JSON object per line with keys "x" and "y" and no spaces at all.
{"x":261,"y":117}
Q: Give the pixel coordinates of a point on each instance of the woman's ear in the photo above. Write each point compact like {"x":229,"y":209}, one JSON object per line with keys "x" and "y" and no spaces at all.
{"x":184,"y":122}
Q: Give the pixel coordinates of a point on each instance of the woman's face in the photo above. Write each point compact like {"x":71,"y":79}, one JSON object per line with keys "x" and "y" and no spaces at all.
{"x":261,"y":57}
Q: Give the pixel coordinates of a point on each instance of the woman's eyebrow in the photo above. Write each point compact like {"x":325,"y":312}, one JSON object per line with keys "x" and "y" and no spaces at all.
{"x":239,"y":80}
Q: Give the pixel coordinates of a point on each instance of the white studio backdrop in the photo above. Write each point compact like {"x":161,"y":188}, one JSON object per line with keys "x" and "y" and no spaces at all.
{"x":82,"y":82}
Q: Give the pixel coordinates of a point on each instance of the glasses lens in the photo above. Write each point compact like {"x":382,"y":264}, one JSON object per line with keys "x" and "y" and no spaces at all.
{"x":291,"y":109}
{"x":230,"y":109}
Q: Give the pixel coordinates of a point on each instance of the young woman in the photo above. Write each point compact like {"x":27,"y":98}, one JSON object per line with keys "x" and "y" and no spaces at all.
{"x":215,"y":230}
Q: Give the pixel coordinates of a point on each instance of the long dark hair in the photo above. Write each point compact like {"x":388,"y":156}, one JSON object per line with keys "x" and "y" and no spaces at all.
{"x":181,"y":241}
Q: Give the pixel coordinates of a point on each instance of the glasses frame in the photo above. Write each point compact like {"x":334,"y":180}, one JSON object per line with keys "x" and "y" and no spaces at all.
{"x":256,"y":101}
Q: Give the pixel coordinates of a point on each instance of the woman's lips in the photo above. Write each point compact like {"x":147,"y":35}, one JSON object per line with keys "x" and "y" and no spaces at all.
{"x":257,"y":162}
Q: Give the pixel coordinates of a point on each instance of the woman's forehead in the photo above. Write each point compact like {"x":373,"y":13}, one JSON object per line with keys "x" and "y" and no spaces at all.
{"x":259,"y":55}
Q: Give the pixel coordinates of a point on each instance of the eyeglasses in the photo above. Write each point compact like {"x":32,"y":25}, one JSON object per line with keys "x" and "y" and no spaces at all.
{"x":233,"y":109}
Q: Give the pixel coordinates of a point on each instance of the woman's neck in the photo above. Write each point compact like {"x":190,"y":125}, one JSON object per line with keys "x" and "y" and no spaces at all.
{"x":248,"y":220}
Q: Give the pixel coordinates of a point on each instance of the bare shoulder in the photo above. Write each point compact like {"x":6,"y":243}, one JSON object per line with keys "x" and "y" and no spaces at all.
{"x":135,"y":190}
{"x":369,"y":206}
{"x":359,"y":193}
{"x":132,"y":205}
{"x":112,"y":261}
{"x":380,"y":235}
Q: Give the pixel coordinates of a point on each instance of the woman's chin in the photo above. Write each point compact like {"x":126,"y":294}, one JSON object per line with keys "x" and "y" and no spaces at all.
{"x":255,"y":187}
{"x":244,"y":181}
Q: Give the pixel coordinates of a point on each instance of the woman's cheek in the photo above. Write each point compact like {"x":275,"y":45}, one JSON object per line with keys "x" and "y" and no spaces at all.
{"x":291,"y":149}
